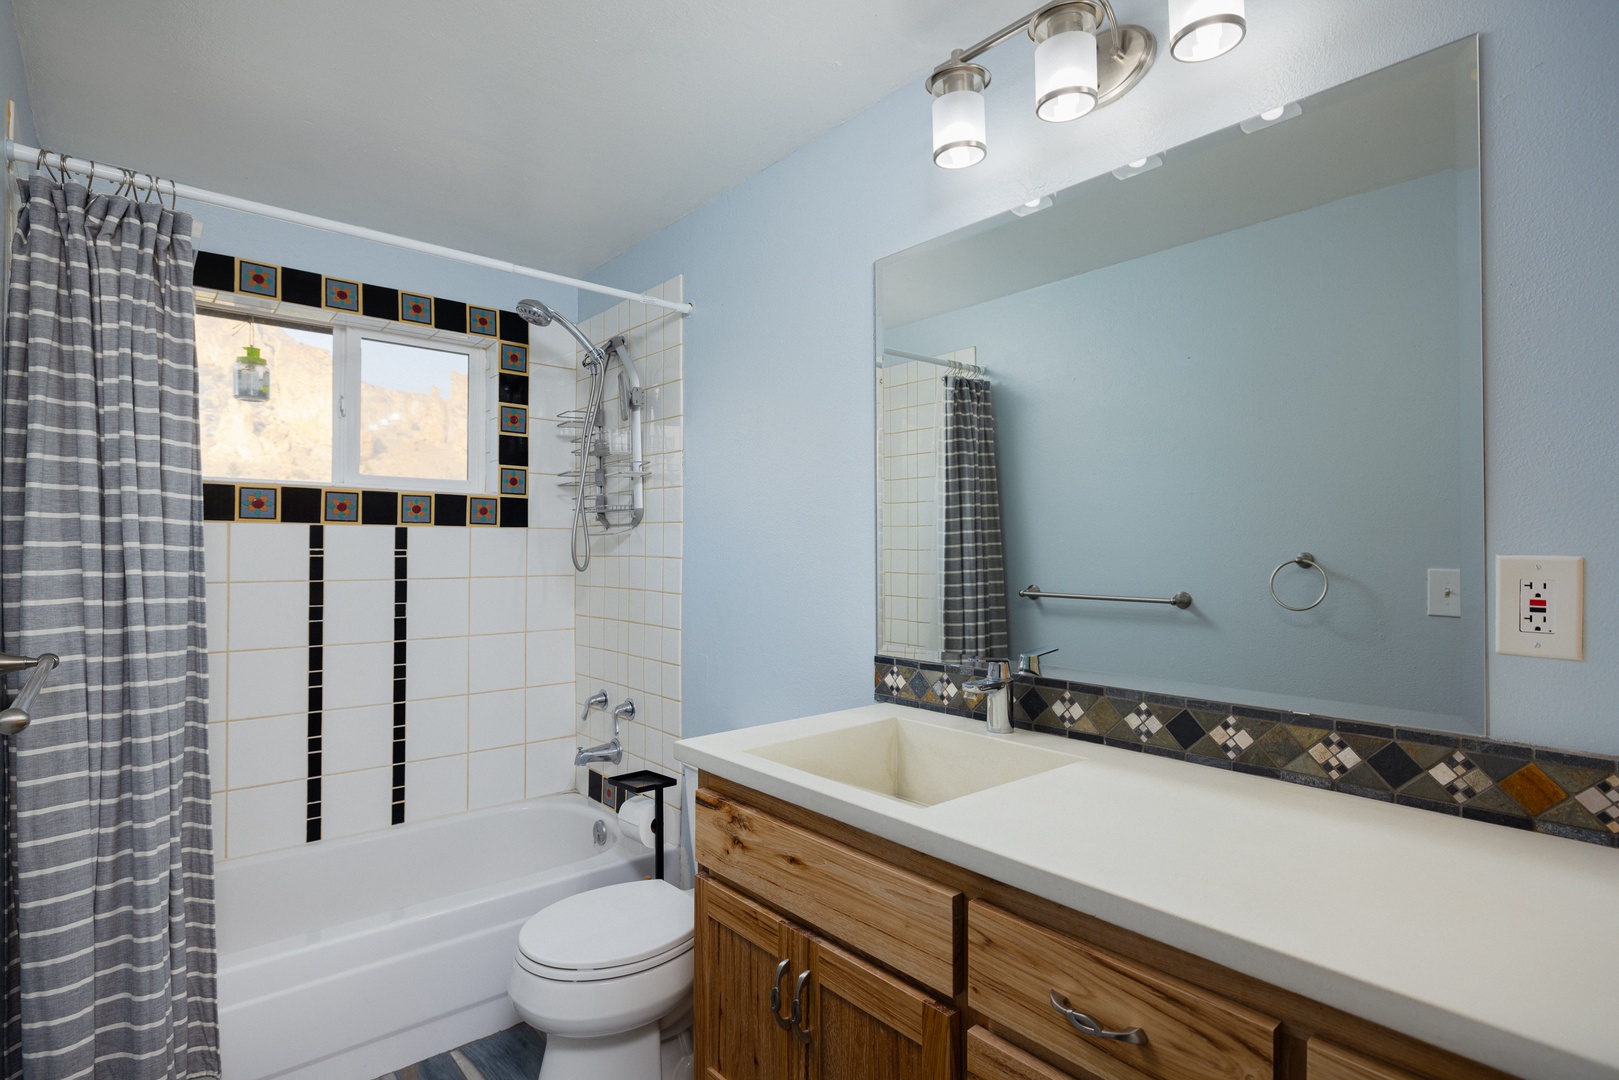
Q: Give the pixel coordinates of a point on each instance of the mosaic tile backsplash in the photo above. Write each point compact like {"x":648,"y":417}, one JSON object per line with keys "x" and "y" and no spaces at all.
{"x":1512,"y":784}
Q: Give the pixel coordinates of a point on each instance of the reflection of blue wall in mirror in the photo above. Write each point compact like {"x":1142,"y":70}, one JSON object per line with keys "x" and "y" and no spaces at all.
{"x":1189,"y":419}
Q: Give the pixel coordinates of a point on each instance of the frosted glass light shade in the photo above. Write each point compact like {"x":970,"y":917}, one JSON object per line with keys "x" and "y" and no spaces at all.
{"x":1203,"y":29}
{"x":1065,"y":76}
{"x":958,"y":129}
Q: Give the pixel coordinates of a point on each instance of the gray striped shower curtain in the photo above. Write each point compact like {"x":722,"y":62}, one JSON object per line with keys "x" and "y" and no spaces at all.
{"x":108,"y":866}
{"x":974,"y":571}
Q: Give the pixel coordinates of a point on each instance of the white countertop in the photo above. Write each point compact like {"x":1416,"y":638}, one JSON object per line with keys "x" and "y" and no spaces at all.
{"x":1500,"y":945}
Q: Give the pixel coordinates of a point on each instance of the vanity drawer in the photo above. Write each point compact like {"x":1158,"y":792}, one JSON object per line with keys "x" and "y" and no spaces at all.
{"x":903,"y":921}
{"x":989,"y":1058}
{"x":1328,"y":1062}
{"x":1014,"y":966}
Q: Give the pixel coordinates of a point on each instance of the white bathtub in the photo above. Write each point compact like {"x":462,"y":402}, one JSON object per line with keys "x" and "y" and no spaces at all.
{"x":347,"y":959}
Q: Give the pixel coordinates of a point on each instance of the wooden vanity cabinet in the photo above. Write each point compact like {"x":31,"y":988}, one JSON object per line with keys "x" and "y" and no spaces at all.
{"x":833,"y":1016}
{"x":897,"y":952}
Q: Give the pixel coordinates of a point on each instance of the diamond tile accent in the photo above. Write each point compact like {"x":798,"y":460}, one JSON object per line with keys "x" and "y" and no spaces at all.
{"x":1185,"y":728}
{"x":919,"y":685}
{"x":1068,"y":710}
{"x":1335,"y":756}
{"x":1144,"y":722}
{"x":1461,"y":778}
{"x":1232,"y":737}
{"x":1533,"y":790}
{"x":945,"y":688}
{"x":893,"y":682}
{"x":1603,"y":801}
{"x":1394,"y":765}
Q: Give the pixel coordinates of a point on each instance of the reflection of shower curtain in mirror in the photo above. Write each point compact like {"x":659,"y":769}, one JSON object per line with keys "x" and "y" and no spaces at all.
{"x":974,"y":572}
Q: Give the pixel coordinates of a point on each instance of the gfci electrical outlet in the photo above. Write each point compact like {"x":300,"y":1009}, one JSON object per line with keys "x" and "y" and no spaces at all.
{"x":1540,"y":606}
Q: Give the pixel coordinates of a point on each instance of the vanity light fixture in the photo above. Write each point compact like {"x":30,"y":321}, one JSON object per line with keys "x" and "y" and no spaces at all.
{"x":1033,"y":206}
{"x":1203,"y":29}
{"x":1084,"y":58}
{"x":1270,"y":118}
{"x":1139,"y":166}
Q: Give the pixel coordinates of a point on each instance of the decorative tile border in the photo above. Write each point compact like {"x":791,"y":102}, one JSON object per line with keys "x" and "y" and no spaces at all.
{"x":317,"y":681}
{"x":347,"y":506}
{"x":1512,"y":784}
{"x":415,"y":311}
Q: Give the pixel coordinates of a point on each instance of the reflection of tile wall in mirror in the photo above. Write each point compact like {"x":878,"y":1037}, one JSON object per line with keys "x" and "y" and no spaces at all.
{"x":1269,"y":344}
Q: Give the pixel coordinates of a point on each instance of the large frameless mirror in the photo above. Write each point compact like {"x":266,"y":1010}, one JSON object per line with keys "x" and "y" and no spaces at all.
{"x":1248,"y":370}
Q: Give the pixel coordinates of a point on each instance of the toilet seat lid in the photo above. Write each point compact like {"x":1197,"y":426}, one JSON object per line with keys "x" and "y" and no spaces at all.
{"x":609,"y":927}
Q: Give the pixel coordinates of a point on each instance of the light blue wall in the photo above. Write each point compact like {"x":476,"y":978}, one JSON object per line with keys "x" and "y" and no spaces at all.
{"x":779,"y":563}
{"x":12,"y":83}
{"x":283,"y":244}
{"x":1188,"y":419}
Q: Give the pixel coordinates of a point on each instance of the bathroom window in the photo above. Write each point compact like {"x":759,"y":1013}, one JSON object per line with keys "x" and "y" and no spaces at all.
{"x":346,"y":405}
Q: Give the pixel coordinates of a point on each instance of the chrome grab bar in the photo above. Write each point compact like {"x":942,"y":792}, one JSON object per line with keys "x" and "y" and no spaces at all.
{"x":1086,"y":1026}
{"x":1182,"y":600}
{"x":15,"y":717}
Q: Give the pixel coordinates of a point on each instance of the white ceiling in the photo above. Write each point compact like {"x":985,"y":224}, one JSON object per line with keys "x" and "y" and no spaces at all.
{"x":549,"y":133}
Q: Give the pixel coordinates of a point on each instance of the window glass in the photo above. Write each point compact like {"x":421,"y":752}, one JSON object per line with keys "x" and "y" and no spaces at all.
{"x":288,"y":437}
{"x":413,"y":411}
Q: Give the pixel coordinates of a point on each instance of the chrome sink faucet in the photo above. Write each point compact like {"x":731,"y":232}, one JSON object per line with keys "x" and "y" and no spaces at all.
{"x":612,"y":750}
{"x":997,"y":686}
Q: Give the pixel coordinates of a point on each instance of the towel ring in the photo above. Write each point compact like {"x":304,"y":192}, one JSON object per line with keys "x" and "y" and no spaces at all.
{"x":1307,"y":561}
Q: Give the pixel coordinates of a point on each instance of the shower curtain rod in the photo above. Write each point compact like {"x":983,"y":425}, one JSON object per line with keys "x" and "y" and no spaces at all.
{"x":954,"y":365}
{"x":33,"y":155}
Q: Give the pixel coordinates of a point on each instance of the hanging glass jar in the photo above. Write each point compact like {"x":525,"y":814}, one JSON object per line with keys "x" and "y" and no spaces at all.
{"x":252,"y":372}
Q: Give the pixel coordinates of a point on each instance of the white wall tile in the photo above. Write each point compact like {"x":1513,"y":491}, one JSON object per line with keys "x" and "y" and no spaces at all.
{"x":356,"y":802}
{"x":550,"y":603}
{"x":269,"y":615}
{"x":268,"y":551}
{"x":218,"y":736}
{"x":552,"y":712}
{"x":359,"y":552}
{"x":353,"y":739}
{"x":495,"y":662}
{"x":216,"y":550}
{"x":550,"y":390}
{"x":494,"y":777}
{"x":497,"y":604}
{"x":440,"y":553}
{"x":550,"y":767}
{"x":436,"y":727}
{"x":550,"y":657}
{"x":220,"y":820}
{"x":437,"y":607}
{"x":435,"y":788}
{"x":499,"y":552}
{"x":268,"y":683}
{"x":548,"y":552}
{"x":218,"y":687}
{"x":495,"y":719}
{"x":437,"y":668}
{"x":358,"y":611}
{"x":217,"y":598}
{"x":357,"y":675}
{"x":266,"y":818}
{"x":270,"y":750}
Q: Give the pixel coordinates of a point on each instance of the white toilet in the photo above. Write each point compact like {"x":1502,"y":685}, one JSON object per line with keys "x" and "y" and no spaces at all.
{"x":607,"y":975}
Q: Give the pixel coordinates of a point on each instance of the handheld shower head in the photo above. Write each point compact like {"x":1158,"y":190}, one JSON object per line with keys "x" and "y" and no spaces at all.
{"x":535,"y":312}
{"x":539,"y":314}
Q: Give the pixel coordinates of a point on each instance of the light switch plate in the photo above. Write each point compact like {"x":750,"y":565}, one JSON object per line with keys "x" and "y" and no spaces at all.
{"x":1540,"y":606}
{"x":1445,"y":593}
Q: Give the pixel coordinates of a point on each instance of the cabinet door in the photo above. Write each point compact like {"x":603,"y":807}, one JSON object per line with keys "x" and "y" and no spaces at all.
{"x":863,"y":1024}
{"x":1329,"y":1062}
{"x":740,"y":948}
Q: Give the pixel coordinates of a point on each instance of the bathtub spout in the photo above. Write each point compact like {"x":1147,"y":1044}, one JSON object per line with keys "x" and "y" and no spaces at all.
{"x":608,"y":751}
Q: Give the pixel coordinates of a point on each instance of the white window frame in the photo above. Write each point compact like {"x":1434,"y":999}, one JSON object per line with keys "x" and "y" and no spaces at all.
{"x":347,"y":334}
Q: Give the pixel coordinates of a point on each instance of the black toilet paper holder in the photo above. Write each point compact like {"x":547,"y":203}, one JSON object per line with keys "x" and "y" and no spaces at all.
{"x":647,"y":782}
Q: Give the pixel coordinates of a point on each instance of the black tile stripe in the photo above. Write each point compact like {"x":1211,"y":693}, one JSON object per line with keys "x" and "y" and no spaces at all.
{"x":317,"y":619}
{"x":401,"y":594}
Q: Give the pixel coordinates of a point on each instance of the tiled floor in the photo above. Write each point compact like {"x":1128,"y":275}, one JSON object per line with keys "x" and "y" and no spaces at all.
{"x":513,"y":1054}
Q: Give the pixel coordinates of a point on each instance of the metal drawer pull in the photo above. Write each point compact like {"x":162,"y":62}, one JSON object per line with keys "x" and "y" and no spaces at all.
{"x":1085,"y":1025}
{"x":799,"y":1010}
{"x":782,"y":1022}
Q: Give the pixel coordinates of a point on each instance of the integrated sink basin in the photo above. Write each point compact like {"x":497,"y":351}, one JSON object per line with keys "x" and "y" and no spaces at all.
{"x":915,"y":762}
